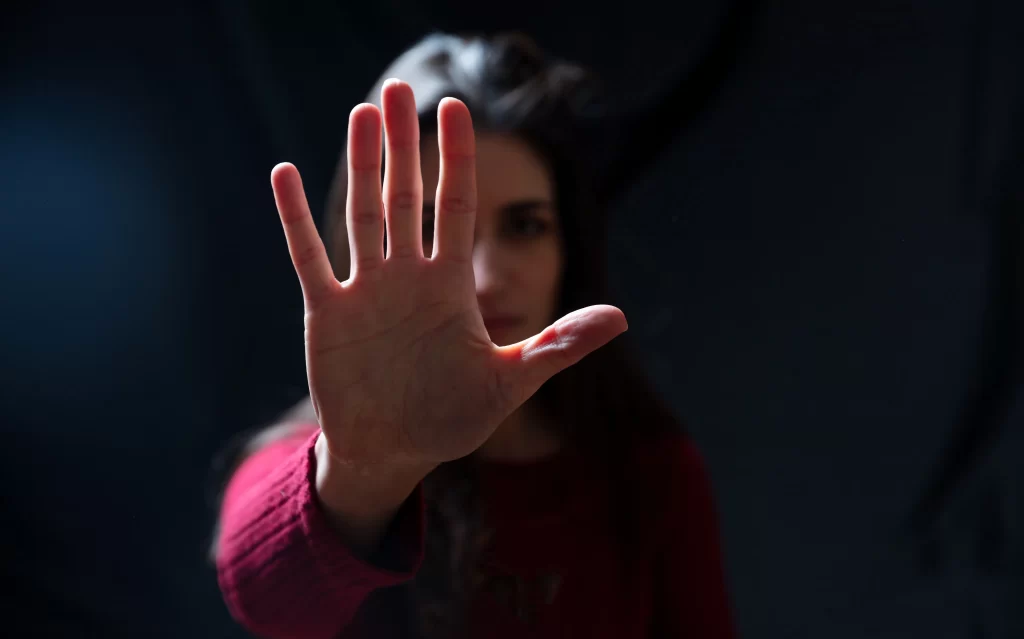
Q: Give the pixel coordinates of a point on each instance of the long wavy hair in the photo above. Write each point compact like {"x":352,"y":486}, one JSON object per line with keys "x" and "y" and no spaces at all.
{"x":599,"y":406}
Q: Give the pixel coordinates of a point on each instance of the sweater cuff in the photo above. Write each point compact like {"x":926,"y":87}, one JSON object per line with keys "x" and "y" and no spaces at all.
{"x":401,"y":550}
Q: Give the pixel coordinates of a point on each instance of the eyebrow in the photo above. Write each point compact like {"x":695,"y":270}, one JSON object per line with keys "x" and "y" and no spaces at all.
{"x":518,"y":206}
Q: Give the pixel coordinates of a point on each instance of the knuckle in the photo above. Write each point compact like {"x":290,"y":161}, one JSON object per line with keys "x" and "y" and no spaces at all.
{"x":459,"y":160}
{"x":367,"y":263}
{"x":402,"y":200}
{"x":458,"y":205}
{"x":459,"y":260}
{"x":365,"y":218}
{"x":307,"y":255}
{"x":292,"y":219}
{"x":402,"y":251}
{"x":363,"y":168}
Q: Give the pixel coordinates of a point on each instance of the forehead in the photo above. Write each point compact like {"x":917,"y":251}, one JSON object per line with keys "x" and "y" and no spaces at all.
{"x":507,"y":169}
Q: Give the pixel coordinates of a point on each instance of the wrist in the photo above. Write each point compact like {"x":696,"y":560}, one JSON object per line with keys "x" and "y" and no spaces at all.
{"x":364,"y":492}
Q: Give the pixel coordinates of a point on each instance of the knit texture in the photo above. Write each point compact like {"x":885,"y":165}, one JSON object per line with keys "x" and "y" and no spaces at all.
{"x":553,"y":566}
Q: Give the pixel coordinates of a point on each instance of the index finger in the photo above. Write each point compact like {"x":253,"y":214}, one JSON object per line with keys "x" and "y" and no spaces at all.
{"x":304,"y":244}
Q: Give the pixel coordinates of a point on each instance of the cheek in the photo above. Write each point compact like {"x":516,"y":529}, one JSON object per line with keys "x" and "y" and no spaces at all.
{"x":545,"y":274}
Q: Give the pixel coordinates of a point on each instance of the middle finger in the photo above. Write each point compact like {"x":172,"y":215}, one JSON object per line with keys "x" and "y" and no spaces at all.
{"x":403,"y":183}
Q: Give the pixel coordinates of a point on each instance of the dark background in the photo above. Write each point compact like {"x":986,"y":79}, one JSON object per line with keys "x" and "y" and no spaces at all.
{"x":816,"y":236}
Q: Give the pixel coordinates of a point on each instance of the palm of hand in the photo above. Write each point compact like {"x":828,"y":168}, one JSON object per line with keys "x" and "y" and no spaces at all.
{"x":406,"y":349}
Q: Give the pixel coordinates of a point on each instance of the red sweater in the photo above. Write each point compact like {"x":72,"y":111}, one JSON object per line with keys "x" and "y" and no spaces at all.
{"x":285,"y":573}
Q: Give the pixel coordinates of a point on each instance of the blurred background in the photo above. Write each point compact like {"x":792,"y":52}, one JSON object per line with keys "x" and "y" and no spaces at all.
{"x":817,"y":237}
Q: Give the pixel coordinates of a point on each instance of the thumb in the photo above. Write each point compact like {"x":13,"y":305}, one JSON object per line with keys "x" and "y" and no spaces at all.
{"x":532,"y":362}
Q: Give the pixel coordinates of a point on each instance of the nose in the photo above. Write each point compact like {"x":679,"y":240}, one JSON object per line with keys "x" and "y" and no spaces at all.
{"x":489,"y":269}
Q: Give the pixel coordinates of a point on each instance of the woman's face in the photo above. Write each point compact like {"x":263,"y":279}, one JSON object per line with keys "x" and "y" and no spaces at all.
{"x":517,"y":253}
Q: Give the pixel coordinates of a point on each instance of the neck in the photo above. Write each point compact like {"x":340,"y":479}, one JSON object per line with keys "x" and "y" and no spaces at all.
{"x":522,"y":437}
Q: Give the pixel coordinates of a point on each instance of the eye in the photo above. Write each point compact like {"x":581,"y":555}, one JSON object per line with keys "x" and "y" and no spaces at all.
{"x":527,"y":225}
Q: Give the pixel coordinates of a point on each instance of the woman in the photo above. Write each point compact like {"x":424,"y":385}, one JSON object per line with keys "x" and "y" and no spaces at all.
{"x":463,"y":468}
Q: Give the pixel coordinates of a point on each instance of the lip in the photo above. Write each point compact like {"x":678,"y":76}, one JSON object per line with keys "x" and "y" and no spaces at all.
{"x":502,"y":322}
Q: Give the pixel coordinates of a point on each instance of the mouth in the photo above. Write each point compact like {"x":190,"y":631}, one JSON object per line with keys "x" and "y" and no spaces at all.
{"x":503,"y":322}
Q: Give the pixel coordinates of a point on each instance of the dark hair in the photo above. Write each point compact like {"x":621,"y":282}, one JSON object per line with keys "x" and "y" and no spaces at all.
{"x":600,"y":405}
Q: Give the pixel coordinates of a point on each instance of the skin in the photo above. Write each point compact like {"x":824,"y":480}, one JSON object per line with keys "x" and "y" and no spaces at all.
{"x":402,"y":372}
{"x":517,"y":263}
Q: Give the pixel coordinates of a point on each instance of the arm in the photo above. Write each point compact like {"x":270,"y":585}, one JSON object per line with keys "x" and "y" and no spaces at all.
{"x":284,"y":567}
{"x":691,"y":594}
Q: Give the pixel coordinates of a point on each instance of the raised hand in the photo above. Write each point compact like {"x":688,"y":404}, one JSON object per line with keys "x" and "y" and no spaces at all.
{"x":400,"y":366}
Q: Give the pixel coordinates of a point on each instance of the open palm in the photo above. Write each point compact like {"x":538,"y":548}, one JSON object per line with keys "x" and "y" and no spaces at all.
{"x":399,"y":362}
